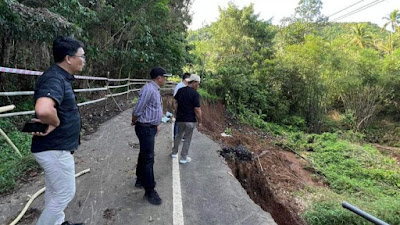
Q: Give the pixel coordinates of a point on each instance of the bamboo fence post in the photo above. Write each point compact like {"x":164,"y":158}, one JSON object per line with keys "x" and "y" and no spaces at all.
{"x":8,"y":140}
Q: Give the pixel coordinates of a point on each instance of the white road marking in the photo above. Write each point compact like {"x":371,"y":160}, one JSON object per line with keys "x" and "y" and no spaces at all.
{"x":177,"y":216}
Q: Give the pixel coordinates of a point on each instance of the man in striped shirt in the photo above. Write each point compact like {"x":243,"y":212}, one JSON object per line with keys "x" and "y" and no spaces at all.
{"x":146,"y":117}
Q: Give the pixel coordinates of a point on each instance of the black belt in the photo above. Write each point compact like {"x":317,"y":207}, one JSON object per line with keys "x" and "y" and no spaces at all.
{"x":146,"y":125}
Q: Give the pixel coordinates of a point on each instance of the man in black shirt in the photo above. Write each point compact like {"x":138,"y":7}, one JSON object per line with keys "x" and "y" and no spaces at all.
{"x":55,"y":106}
{"x":188,"y":114}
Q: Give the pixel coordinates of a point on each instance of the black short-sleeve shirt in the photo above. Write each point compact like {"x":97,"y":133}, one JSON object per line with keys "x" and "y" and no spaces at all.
{"x":188,"y":99}
{"x":56,"y":83}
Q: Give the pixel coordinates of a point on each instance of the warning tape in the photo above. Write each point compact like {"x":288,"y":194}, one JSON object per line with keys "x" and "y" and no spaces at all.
{"x":38,"y":73}
{"x":19,"y":71}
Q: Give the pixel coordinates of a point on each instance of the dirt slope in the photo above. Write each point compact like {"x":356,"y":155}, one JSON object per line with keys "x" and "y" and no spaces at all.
{"x":273,"y":174}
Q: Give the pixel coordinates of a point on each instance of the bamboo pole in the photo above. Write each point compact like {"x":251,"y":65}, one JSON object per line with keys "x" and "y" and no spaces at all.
{"x":6,"y":108}
{"x":8,"y":140}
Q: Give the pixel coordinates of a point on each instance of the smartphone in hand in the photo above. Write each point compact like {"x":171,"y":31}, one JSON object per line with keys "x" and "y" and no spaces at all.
{"x":31,"y":127}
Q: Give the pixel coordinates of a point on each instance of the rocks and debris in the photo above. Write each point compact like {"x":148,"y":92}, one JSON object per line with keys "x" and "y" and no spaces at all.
{"x":239,"y":152}
{"x":133,"y":144}
{"x":109,"y":214}
{"x":225,"y":135}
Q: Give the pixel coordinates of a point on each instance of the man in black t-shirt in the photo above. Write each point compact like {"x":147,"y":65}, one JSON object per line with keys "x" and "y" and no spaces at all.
{"x":55,"y":105}
{"x":188,"y":114}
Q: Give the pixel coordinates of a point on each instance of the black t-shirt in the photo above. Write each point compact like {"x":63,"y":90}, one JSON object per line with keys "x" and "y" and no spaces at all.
{"x":188,"y":99}
{"x":55,"y":83}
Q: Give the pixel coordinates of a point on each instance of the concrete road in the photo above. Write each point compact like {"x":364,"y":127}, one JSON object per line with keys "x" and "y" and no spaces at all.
{"x":200,"y":192}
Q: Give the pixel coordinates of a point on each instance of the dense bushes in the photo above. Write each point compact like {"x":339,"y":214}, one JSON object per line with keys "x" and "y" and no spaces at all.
{"x":314,"y":77}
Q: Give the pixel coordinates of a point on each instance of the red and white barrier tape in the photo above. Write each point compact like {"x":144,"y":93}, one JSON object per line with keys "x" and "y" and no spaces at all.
{"x":38,"y":73}
{"x":19,"y":71}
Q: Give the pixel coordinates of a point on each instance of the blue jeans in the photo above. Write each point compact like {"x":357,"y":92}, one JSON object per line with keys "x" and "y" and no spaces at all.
{"x":144,"y":169}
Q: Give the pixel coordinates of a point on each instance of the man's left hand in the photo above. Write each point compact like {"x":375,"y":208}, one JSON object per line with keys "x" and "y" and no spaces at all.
{"x":134,"y":120}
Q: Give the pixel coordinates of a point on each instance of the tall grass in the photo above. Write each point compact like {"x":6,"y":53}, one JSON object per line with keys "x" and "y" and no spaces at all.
{"x":11,"y":165}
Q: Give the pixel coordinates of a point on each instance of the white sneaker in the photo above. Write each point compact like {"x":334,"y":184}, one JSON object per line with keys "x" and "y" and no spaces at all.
{"x":174,"y":155}
{"x":183,"y":161}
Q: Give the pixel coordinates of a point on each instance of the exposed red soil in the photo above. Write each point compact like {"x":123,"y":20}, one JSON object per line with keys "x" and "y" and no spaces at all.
{"x":272,"y":176}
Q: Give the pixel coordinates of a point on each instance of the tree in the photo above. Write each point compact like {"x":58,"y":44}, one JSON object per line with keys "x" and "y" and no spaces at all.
{"x":306,"y":20}
{"x":301,"y":69}
{"x":310,"y":11}
{"x":360,"y":36}
{"x":393,"y":20}
{"x":232,"y":50}
{"x":121,"y":37}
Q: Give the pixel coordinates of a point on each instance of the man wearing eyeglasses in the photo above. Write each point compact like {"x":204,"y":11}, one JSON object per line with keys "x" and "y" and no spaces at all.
{"x":55,"y":106}
{"x":146,"y":117}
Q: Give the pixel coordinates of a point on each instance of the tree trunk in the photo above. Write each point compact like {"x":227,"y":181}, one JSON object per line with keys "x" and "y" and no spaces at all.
{"x":99,"y":5}
{"x":6,"y":52}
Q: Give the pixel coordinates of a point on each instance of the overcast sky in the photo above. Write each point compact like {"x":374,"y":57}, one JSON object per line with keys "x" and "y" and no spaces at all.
{"x":206,"y":11}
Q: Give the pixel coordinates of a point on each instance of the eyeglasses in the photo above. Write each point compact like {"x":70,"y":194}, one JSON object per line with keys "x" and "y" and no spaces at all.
{"x":81,"y":56}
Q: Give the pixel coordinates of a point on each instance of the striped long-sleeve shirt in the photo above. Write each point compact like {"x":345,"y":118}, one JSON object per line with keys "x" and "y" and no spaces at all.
{"x":149,"y":107}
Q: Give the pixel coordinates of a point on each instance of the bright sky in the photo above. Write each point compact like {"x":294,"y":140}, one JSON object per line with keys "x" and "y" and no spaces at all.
{"x":206,"y":11}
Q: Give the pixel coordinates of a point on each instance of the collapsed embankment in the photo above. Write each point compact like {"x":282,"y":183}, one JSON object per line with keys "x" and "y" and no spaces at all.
{"x":270,"y":175}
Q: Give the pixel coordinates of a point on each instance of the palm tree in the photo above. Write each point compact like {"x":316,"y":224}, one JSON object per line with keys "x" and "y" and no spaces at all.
{"x":394,"y":20}
{"x":387,"y":46}
{"x":361,"y":36}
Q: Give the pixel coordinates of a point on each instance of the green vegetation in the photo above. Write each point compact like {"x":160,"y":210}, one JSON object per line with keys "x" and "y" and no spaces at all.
{"x":11,"y":165}
{"x":207,"y":96}
{"x":356,"y":172}
{"x":123,"y":38}
{"x":326,"y":89}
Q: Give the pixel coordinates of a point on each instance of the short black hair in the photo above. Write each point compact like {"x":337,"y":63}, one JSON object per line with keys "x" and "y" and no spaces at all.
{"x":63,"y":46}
{"x":185,"y":75}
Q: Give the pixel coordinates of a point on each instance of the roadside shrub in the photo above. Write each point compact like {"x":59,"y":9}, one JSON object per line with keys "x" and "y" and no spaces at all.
{"x":207,"y":96}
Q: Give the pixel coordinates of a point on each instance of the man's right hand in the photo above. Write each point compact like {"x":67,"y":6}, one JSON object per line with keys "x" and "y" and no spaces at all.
{"x":50,"y":128}
{"x":48,"y":131}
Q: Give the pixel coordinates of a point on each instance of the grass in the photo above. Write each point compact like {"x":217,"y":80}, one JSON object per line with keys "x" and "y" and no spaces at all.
{"x":355,"y":171}
{"x":325,"y":208}
{"x":12,"y":166}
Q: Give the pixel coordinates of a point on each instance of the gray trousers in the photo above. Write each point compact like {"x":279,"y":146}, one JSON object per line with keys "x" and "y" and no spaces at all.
{"x":185,"y":129}
{"x":59,"y":173}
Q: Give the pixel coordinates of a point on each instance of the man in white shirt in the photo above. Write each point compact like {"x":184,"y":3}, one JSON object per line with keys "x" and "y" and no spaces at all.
{"x":180,"y":85}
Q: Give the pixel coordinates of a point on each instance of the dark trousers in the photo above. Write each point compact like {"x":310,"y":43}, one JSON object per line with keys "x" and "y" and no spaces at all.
{"x":144,"y":169}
